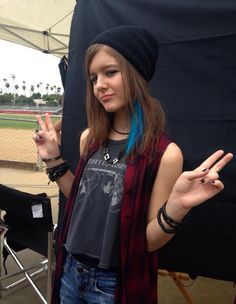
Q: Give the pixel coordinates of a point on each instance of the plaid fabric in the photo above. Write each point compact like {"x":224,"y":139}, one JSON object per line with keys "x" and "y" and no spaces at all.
{"x":138,"y":269}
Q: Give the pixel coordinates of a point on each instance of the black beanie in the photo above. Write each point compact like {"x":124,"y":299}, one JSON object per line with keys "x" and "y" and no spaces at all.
{"x":136,"y":44}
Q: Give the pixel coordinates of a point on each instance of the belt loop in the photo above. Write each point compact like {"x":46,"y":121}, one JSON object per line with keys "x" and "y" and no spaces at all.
{"x":92,"y":274}
{"x":68,"y":262}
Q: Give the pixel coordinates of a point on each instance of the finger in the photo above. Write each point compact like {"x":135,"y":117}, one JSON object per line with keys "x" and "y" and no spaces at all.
{"x":217,"y":185}
{"x":222,"y":162}
{"x":210,"y":177}
{"x":38,"y":139}
{"x":41,"y":123}
{"x":209,"y":162}
{"x":192,"y":175}
{"x":49,"y":122}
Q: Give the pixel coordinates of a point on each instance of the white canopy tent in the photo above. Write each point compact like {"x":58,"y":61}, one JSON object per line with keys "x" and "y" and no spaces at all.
{"x":43,"y":25}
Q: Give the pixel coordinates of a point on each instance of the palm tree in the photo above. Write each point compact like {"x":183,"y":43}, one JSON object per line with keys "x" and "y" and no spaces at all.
{"x":7,"y":84}
{"x":41,"y":88}
{"x":31,"y":89}
{"x":24,"y":86}
{"x":16,"y":88}
{"x":5,"y":80}
{"x":13,"y":76}
{"x":39,"y":91}
{"x":47,"y":87}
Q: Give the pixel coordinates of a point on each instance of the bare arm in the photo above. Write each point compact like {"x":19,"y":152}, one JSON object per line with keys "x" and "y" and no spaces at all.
{"x":169,"y":170}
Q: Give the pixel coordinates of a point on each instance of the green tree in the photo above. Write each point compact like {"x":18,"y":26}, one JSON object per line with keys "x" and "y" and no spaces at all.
{"x":6,"y":99}
{"x":36,"y":95}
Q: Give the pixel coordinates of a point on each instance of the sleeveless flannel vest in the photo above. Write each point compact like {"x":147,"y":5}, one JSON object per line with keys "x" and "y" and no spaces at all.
{"x":137,"y":280}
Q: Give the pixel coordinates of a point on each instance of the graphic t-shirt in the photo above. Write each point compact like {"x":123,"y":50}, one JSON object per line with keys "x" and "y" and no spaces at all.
{"x":94,"y":227}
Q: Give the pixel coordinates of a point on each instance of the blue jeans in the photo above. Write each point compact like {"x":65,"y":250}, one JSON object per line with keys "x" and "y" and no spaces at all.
{"x":84,"y":284}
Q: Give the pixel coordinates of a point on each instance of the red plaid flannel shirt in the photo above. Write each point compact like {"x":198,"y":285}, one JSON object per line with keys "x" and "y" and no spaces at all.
{"x":137,"y":281}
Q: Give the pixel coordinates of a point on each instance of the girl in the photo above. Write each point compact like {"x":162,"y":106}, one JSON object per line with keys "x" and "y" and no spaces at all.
{"x":128,"y":196}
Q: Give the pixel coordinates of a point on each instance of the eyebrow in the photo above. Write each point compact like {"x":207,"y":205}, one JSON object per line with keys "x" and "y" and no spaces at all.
{"x":104,"y":67}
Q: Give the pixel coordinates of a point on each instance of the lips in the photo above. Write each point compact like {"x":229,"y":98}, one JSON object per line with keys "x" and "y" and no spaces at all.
{"x":106,"y":97}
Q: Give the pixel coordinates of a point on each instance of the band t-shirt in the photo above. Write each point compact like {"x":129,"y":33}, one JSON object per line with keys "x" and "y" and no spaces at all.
{"x":94,"y":226}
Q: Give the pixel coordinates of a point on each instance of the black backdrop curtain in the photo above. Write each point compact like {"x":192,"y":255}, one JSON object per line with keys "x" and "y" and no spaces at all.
{"x":195,"y":82}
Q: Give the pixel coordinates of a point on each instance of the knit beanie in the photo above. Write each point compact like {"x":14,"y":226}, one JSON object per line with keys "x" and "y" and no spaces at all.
{"x":136,"y":44}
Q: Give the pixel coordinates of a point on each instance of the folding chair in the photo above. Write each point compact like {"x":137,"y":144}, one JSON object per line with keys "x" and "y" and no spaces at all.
{"x":28,"y":221}
{"x":178,"y":277}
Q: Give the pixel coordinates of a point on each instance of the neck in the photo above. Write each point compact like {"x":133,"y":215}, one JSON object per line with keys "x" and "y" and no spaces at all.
{"x":121,"y":123}
{"x":120,"y":132}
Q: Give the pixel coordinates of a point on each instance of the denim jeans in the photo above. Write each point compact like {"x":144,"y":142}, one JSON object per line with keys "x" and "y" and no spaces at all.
{"x":84,"y":284}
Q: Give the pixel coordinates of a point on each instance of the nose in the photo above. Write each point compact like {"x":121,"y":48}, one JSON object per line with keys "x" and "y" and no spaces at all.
{"x":101,"y":83}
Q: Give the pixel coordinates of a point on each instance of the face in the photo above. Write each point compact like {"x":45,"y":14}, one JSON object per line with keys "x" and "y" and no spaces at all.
{"x":106,"y":78}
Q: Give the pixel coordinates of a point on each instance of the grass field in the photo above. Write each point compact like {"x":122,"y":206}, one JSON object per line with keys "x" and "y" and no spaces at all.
{"x":19,"y":121}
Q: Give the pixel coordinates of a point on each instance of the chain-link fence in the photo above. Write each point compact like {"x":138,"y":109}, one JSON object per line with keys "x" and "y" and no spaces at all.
{"x":16,"y":139}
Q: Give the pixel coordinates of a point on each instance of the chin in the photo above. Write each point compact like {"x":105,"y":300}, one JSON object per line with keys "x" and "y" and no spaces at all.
{"x":110,"y":109}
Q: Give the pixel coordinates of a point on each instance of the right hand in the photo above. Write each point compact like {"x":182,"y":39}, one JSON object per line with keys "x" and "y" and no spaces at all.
{"x":46,"y":138}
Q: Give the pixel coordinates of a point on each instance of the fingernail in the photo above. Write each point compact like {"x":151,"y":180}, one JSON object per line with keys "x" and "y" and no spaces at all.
{"x":202,"y":180}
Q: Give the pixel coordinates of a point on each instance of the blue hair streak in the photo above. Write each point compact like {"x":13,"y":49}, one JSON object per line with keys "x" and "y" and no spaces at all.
{"x":136,"y":129}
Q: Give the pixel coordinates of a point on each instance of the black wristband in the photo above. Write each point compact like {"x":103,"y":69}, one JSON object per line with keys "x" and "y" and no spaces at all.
{"x":56,"y":172}
{"x":170,"y":221}
{"x":159,"y":220}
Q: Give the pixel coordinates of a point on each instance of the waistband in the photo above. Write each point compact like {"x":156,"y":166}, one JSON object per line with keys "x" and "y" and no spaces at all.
{"x":90,"y":262}
{"x":86,"y":260}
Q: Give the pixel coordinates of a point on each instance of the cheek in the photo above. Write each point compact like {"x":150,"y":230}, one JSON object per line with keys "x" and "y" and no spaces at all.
{"x":95,"y":92}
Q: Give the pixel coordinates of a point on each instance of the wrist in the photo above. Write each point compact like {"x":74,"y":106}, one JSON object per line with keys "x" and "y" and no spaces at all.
{"x":46,"y":160}
{"x":176,"y":211}
{"x":168,"y":223}
{"x":54,"y":163}
{"x":56,"y":172}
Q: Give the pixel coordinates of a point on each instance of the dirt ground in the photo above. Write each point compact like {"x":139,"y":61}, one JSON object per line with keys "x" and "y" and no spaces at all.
{"x":17,"y":145}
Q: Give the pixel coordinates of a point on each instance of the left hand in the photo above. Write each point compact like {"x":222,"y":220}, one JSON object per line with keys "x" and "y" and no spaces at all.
{"x":194,"y":187}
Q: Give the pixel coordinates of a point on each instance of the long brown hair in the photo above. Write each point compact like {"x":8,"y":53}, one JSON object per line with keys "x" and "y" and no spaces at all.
{"x":99,"y":121}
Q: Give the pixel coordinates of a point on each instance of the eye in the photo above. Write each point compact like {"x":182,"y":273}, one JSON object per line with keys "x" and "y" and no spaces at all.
{"x":111,"y":73}
{"x":93,"y":80}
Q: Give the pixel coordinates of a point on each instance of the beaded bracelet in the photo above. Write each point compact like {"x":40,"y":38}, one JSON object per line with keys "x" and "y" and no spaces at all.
{"x":56,"y":172}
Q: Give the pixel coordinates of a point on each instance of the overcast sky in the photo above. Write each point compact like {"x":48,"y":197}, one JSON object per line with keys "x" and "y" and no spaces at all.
{"x":27,"y":65}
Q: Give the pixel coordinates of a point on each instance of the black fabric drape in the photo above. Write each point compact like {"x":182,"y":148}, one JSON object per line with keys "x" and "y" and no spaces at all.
{"x":195,"y":82}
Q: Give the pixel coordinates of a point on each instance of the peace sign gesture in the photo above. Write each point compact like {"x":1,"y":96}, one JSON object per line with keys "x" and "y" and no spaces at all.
{"x":194,"y":187}
{"x":46,"y":138}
